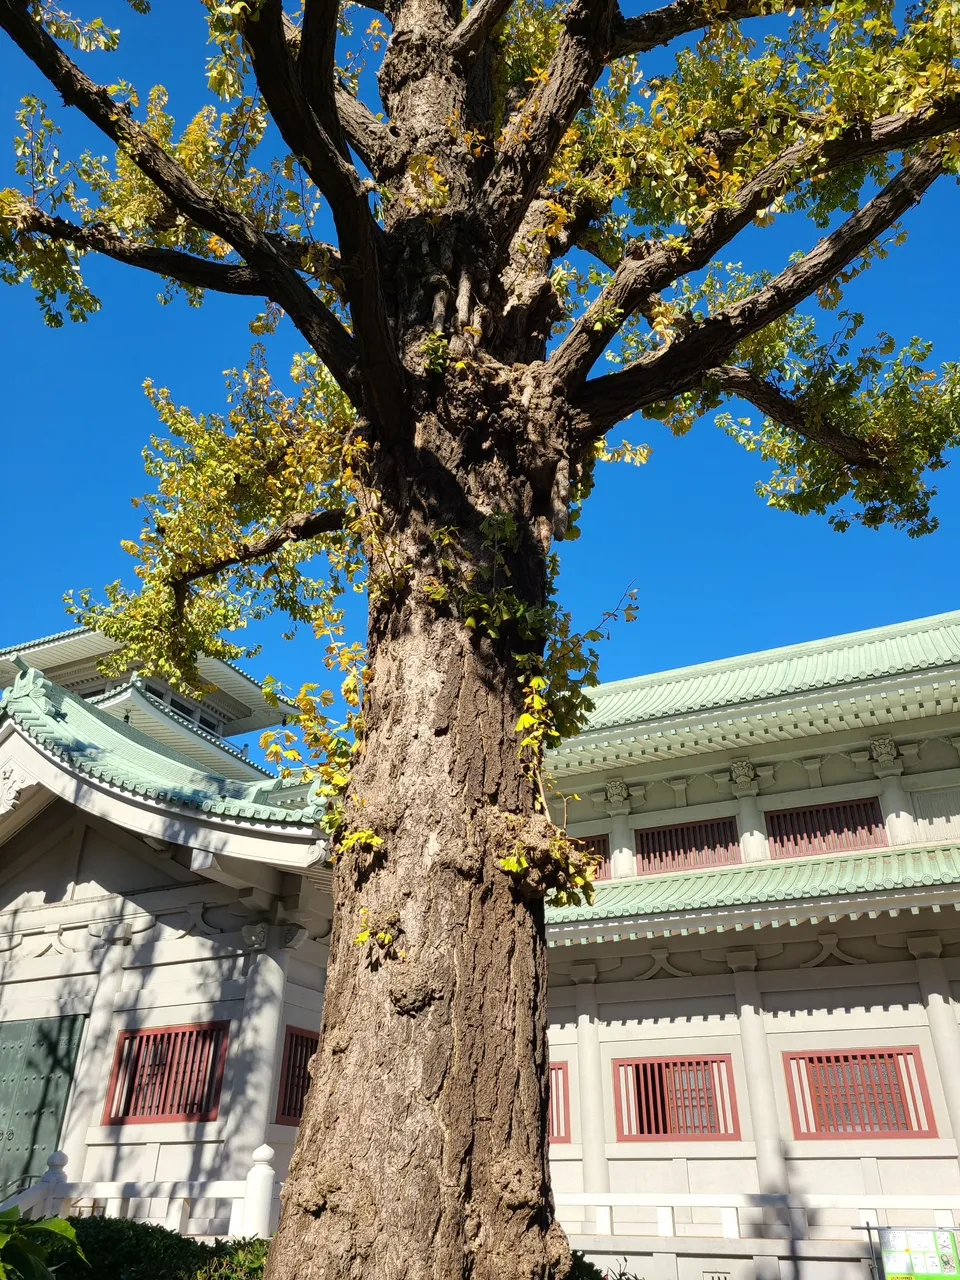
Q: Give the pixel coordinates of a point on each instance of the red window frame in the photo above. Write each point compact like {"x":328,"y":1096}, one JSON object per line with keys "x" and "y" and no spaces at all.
{"x":716,"y":1099}
{"x":713,"y":843}
{"x":184,"y":1084}
{"x":897,"y":1097}
{"x":558,"y":1117}
{"x":299,"y":1046}
{"x":597,"y":844}
{"x":847,"y":826}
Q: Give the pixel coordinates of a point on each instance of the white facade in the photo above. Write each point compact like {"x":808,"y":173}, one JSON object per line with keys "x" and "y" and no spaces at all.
{"x":137,"y":914}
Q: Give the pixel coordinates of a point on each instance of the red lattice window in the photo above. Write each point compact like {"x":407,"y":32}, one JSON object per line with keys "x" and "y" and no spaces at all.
{"x":558,"y":1114}
{"x":873,"y":1093}
{"x":299,"y":1046}
{"x":600,"y":845}
{"x":686,"y":846}
{"x":167,"y":1073}
{"x":826,"y":828}
{"x":675,"y":1098}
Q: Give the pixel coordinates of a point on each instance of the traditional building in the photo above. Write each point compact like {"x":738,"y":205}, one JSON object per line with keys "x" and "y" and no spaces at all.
{"x":754,"y":1038}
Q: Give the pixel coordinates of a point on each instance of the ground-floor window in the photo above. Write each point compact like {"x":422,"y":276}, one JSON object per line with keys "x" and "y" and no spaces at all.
{"x":877,"y":1093}
{"x":299,"y":1046}
{"x":167,"y":1073}
{"x":675,"y":1098}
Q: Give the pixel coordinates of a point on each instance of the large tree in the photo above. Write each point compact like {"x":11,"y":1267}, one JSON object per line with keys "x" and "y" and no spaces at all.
{"x":529,"y":238}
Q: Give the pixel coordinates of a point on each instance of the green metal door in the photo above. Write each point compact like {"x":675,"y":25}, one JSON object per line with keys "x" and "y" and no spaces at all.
{"x":36,"y":1067}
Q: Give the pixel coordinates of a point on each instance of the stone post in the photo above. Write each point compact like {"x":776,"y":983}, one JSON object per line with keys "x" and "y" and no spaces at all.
{"x":596,"y":1173}
{"x":258,"y":1198}
{"x":942,"y":1020}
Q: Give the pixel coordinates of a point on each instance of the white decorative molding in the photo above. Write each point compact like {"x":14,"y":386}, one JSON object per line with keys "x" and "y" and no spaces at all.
{"x":256,"y":935}
{"x":829,"y":946}
{"x":743,"y":773}
{"x":679,"y":790}
{"x":661,"y":964}
{"x":812,"y":765}
{"x":14,"y":780}
{"x":294,"y":936}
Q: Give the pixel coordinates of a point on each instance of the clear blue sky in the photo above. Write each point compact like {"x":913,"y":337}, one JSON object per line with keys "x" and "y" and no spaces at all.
{"x":717,"y":571}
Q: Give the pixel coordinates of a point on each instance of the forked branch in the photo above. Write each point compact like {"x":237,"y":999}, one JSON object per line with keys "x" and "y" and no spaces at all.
{"x":638,"y":279}
{"x":282,"y":284}
{"x":680,"y":365}
{"x":298,"y":527}
{"x":790,"y":411}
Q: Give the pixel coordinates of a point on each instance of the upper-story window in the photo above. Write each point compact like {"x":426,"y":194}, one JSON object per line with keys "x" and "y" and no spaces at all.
{"x":826,"y":828}
{"x":687,"y":845}
{"x":599,"y":845}
{"x":183,"y":708}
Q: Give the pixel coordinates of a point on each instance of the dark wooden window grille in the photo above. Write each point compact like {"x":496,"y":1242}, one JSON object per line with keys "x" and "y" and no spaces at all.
{"x":558,"y":1115}
{"x":599,"y":845}
{"x":299,"y":1046}
{"x":675,"y":1098}
{"x":826,"y":828}
{"x":167,"y":1073}
{"x":878,"y":1093}
{"x":688,"y":845}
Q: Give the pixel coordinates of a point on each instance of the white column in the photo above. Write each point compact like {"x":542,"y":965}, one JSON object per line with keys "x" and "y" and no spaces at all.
{"x":596,"y":1174}
{"x":250,"y":1087}
{"x":772,"y":1175}
{"x":623,"y":853}
{"x":896,"y":805}
{"x":95,"y":1059}
{"x":942,"y":1021}
{"x":751,"y":824}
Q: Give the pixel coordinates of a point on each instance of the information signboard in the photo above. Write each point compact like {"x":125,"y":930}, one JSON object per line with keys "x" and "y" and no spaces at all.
{"x":915,"y":1254}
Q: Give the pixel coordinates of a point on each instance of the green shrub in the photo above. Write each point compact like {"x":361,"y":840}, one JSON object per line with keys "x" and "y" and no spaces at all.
{"x":123,"y":1249}
{"x":582,"y":1269}
{"x":26,"y":1245}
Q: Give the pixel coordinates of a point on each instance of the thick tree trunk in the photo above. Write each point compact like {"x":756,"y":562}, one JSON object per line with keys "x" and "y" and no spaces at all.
{"x":422,"y":1150}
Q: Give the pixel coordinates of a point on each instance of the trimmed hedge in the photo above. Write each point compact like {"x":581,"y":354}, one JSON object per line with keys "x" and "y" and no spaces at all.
{"x":123,"y":1249}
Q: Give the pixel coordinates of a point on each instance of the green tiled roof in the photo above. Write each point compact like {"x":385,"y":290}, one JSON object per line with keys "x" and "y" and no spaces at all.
{"x":790,"y":880}
{"x":100,"y":746}
{"x":927,"y":643}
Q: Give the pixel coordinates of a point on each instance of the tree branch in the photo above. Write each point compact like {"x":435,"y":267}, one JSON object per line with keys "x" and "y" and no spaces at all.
{"x":535,"y":131}
{"x":661,"y":26}
{"x":639,"y":278}
{"x":321,"y":329}
{"x":677,"y":367}
{"x":98,"y":237}
{"x":481,"y":18}
{"x":315,"y":61}
{"x":790,"y":412}
{"x":331,"y":171}
{"x":298,"y":527}
{"x":376,"y":143}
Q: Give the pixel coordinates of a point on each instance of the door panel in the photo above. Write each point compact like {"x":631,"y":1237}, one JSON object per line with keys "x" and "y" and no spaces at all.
{"x":37,"y":1058}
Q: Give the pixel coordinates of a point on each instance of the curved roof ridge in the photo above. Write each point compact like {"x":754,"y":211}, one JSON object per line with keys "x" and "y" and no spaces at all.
{"x":101,"y":746}
{"x":778,"y":881}
{"x":833,"y":661}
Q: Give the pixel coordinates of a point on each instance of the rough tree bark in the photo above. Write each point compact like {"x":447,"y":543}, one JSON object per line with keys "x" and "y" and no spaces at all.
{"x":422,"y":1150}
